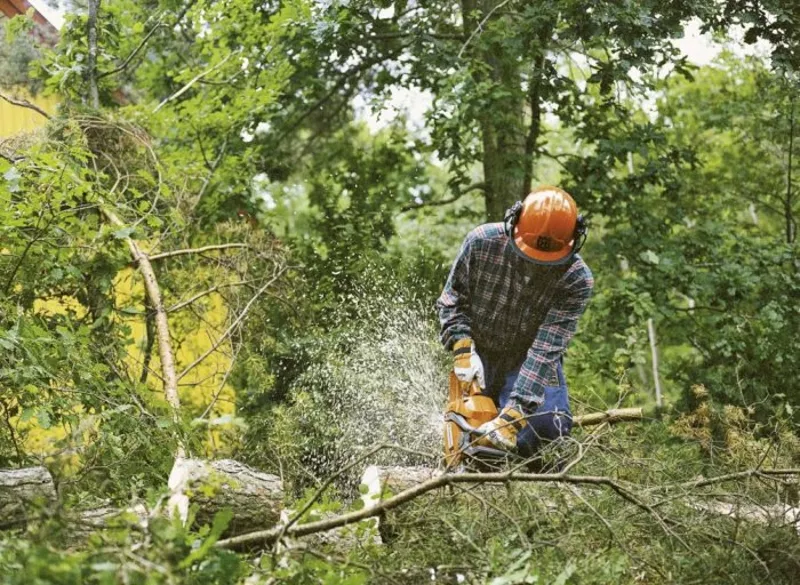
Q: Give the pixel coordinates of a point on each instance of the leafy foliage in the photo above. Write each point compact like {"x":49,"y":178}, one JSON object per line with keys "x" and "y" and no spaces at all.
{"x":299,"y":249}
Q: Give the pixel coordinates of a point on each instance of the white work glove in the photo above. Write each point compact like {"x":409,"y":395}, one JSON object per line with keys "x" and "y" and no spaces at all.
{"x":467,"y":364}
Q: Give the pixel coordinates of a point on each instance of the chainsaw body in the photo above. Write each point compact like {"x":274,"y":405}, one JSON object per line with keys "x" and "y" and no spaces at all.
{"x":466,"y":410}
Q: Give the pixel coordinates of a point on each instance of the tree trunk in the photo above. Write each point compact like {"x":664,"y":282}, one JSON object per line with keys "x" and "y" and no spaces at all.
{"x":91,"y":61}
{"x":21,"y":490}
{"x":509,"y":136}
{"x":254,"y":497}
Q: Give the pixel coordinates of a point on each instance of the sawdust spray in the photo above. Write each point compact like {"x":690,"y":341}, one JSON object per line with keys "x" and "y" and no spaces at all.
{"x":381,"y":383}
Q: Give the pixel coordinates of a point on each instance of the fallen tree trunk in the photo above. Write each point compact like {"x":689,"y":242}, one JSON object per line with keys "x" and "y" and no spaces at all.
{"x":781,"y":515}
{"x":20,"y":491}
{"x":255,"y":498}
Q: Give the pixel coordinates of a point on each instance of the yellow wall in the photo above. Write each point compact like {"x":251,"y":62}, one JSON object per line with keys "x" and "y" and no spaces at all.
{"x":192,"y":337}
{"x":15,"y":119}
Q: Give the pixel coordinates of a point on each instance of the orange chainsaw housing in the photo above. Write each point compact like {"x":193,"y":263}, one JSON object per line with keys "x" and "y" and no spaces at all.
{"x":466,"y":409}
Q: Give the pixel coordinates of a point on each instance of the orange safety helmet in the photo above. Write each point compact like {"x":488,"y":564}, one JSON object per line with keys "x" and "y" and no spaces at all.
{"x":545,"y":228}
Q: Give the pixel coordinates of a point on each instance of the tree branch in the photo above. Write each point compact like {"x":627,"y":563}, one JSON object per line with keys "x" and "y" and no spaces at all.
{"x":200,"y":295}
{"x":91,"y":62}
{"x":459,"y":194}
{"x":133,"y":54}
{"x":264,"y":537}
{"x":232,"y":326}
{"x":194,"y":80}
{"x":790,"y":225}
{"x":268,"y":536}
{"x":24,"y":104}
{"x":479,"y":28}
{"x":187,"y":251}
{"x":162,"y":324}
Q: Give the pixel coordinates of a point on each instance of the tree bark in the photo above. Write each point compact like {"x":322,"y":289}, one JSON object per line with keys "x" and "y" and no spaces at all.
{"x":91,"y":61}
{"x":788,"y":212}
{"x":20,"y":491}
{"x":254,"y":497}
{"x":509,"y":143}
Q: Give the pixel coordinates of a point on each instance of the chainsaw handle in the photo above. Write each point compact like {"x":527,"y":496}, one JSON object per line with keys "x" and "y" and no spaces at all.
{"x":470,"y":388}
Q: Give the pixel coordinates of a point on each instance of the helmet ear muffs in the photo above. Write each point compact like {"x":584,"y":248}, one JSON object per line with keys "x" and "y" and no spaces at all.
{"x":511,"y":217}
{"x":581,"y":232}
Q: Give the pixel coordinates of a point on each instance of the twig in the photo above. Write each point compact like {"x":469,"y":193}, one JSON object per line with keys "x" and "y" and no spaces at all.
{"x":731,"y":476}
{"x":184,"y":252}
{"x":13,"y":160}
{"x":480,"y":26}
{"x":221,"y":386}
{"x":439,"y":202}
{"x":321,"y":490}
{"x":200,"y":295}
{"x":194,"y":80}
{"x":232,"y":326}
{"x":24,"y":104}
{"x":522,"y":536}
{"x":130,"y":57}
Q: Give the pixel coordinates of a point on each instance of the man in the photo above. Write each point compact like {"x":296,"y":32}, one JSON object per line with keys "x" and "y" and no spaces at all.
{"x":509,"y":308}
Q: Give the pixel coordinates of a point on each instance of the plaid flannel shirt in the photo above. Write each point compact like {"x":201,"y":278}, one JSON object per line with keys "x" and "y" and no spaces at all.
{"x":512,"y":309}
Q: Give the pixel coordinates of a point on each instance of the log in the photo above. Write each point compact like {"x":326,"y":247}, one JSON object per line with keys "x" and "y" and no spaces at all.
{"x":614,"y":415}
{"x":780,"y":514}
{"x":84,"y":523}
{"x":380,"y":481}
{"x":255,"y":498}
{"x":21,"y":490}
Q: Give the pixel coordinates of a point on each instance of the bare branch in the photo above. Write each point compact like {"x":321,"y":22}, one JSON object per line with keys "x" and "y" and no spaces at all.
{"x":200,"y":295}
{"x":162,"y":325}
{"x":186,"y":251}
{"x":269,"y":536}
{"x":609,"y":416}
{"x":194,"y":80}
{"x":24,"y":104}
{"x":91,"y":61}
{"x":133,"y":54}
{"x":479,"y":28}
{"x":738,"y":475}
{"x":232,"y":326}
{"x":459,"y":194}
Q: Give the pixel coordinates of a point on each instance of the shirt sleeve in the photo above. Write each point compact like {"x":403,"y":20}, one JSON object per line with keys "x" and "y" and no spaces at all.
{"x":453,"y":304}
{"x":551,"y":341}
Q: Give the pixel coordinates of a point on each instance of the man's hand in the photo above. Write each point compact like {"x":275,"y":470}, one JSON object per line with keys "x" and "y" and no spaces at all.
{"x":467,"y":363}
{"x":501,"y":432}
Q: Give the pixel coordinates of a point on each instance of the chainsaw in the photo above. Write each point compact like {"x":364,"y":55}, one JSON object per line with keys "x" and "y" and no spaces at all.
{"x":466,"y":410}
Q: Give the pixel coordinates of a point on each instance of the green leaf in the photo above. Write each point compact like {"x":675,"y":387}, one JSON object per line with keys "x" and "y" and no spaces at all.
{"x":649,"y":257}
{"x":218,"y":526}
{"x":123,"y":233}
